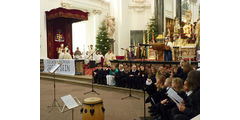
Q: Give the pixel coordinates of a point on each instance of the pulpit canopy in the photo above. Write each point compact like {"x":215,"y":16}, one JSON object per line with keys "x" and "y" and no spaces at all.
{"x":75,"y":15}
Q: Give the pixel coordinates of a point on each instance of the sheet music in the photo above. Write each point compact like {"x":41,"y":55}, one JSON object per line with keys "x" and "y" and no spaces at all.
{"x":54,"y":68}
{"x":174,"y":96}
{"x":69,"y":101}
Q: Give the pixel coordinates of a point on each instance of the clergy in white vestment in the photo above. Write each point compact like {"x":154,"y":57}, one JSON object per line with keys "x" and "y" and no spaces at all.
{"x":98,"y":57}
{"x":61,"y":54}
{"x":67,"y":55}
{"x":85,"y":57}
{"x":109,"y":56}
{"x":90,"y":52}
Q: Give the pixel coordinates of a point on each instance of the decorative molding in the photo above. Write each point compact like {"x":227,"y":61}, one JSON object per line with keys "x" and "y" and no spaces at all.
{"x":97,"y":12}
{"x":90,"y":6}
{"x":139,"y":5}
{"x":168,"y":14}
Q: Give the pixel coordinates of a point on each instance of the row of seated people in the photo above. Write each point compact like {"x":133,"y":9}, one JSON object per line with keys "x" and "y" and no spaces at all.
{"x":135,"y":77}
{"x":164,"y":108}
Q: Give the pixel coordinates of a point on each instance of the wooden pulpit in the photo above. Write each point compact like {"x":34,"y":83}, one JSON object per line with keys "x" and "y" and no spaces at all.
{"x":159,"y":47}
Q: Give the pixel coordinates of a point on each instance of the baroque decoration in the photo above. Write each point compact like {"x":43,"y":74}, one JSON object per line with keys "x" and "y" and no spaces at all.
{"x":139,"y":5}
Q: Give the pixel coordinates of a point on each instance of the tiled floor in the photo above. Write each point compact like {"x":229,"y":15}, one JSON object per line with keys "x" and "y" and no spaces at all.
{"x":116,"y":109}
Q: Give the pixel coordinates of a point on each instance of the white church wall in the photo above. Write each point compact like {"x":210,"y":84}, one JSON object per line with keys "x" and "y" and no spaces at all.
{"x":194,"y":6}
{"x":129,"y":17}
{"x":169,"y":11}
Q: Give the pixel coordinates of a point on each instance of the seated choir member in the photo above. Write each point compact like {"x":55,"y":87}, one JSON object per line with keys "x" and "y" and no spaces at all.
{"x":133,"y":77}
{"x":119,"y":76}
{"x":162,"y":110}
{"x":125,"y":76}
{"x":154,"y":89}
{"x":163,"y":71}
{"x":159,"y":94}
{"x":191,"y":107}
{"x":105,"y":72}
{"x":180,"y":72}
{"x":97,"y":73}
{"x":111,"y":77}
{"x":186,"y":69}
{"x":142,"y":77}
{"x":152,"y":74}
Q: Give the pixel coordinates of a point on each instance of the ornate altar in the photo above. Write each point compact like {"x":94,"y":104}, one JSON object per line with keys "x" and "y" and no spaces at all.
{"x":184,"y":43}
{"x":186,"y":51}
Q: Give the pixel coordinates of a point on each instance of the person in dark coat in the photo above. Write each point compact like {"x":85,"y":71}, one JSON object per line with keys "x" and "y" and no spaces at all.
{"x":133,"y":77}
{"x":152,"y":74}
{"x":142,"y":77}
{"x":119,"y":75}
{"x":105,"y":72}
{"x":190,"y":108}
{"x":180,"y":69}
{"x":96,"y":74}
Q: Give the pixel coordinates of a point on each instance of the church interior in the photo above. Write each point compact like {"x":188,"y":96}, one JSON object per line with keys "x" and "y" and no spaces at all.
{"x":120,"y":59}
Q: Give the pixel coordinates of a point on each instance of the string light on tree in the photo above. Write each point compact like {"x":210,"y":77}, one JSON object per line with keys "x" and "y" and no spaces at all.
{"x":102,"y":40}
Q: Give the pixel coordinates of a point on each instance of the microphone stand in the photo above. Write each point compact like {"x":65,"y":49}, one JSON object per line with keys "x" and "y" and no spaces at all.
{"x":92,"y":77}
{"x":130,"y":89}
{"x":144,"y":88}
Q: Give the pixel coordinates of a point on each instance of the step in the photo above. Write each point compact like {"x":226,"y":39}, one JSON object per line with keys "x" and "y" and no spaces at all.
{"x":68,"y":77}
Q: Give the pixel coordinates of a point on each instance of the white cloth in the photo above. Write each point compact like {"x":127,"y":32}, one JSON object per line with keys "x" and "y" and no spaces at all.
{"x":90,"y":52}
{"x":61,"y":55}
{"x":98,"y":58}
{"x":110,"y":80}
{"x":170,"y":44}
{"x":109,"y":57}
{"x":85,"y":57}
{"x":67,"y":56}
{"x":66,"y":48}
{"x":189,"y":93}
{"x":77,"y":57}
{"x":148,"y":82}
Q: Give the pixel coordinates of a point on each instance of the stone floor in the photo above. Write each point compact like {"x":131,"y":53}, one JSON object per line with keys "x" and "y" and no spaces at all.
{"x":115,"y":108}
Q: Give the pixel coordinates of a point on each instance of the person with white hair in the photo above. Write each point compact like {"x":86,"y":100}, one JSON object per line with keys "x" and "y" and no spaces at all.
{"x":61,"y":54}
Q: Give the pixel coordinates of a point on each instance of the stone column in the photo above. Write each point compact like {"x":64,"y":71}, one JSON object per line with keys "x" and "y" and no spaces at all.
{"x":179,"y":9}
{"x":159,"y":14}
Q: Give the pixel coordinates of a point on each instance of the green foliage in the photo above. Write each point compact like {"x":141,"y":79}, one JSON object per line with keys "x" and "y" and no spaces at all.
{"x":152,"y":28}
{"x":103,"y":43}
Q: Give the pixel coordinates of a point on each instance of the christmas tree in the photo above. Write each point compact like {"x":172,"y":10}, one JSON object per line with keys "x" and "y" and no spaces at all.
{"x":103,"y":43}
{"x":152,"y":29}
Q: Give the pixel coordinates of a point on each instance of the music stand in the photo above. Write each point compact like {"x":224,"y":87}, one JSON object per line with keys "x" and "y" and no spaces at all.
{"x":70,"y":104}
{"x":92,"y":66}
{"x":55,"y":102}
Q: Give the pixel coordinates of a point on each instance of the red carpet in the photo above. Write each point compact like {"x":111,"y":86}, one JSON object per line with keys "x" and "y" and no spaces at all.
{"x":87,"y":70}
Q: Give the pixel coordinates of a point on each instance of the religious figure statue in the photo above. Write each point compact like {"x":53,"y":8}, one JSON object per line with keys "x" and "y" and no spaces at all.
{"x":110,"y":26}
{"x":168,"y":32}
{"x":197,"y":31}
{"x":177,"y":27}
{"x":187,"y":28}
